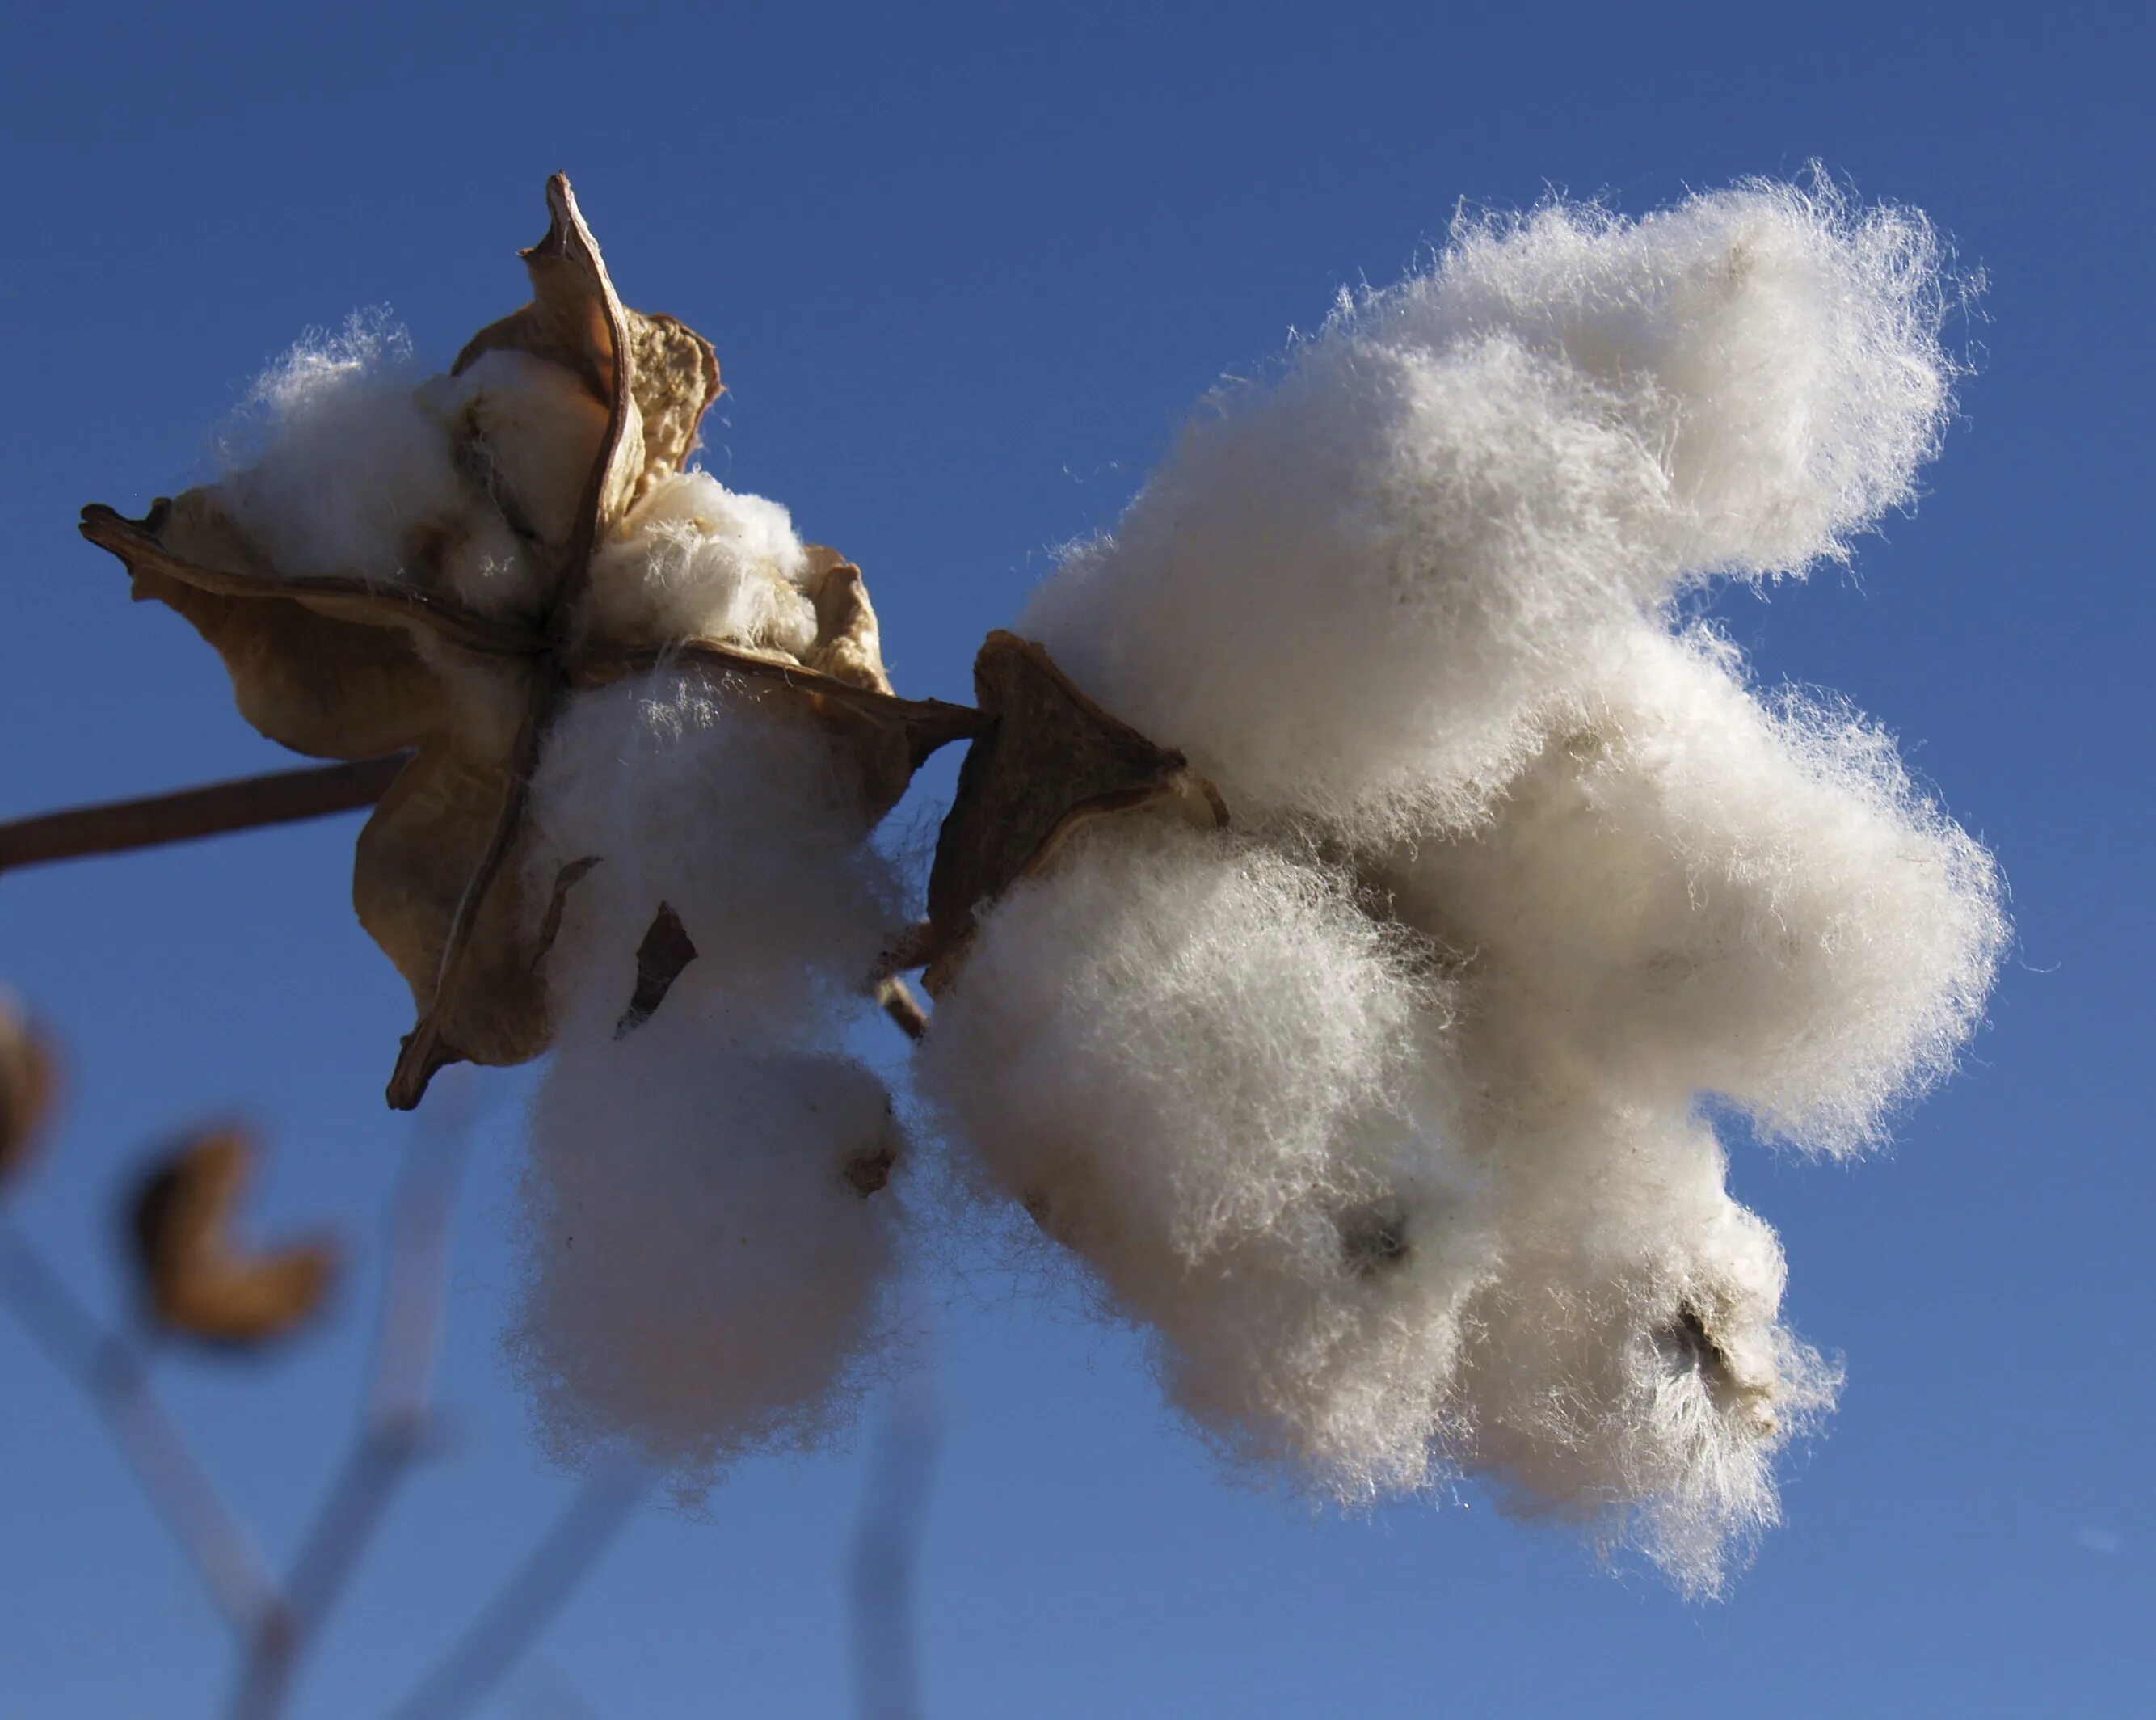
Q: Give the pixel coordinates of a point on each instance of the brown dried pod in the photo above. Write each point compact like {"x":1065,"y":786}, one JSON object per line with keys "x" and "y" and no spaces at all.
{"x":29,"y":1080}
{"x":348,"y":666}
{"x":1049,"y":760}
{"x":198,"y":1281}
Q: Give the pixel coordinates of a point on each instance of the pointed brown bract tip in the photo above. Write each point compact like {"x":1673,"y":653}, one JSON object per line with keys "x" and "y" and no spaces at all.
{"x":30,"y":1082}
{"x":1050,"y":761}
{"x":198,"y":1282}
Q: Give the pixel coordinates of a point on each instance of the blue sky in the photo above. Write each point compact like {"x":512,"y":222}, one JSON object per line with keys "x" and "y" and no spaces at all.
{"x":965,"y":268}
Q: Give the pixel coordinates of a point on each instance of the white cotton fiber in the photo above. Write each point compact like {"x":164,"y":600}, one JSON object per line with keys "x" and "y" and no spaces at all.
{"x":1199,"y":1066}
{"x":728,"y":801}
{"x":694,"y":560}
{"x":1699,"y":892}
{"x":1347,"y":588}
{"x":1628,"y":1371}
{"x":703,"y":1272}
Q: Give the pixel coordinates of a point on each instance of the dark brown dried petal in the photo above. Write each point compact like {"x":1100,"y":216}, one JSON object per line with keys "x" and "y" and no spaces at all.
{"x":328,"y":685}
{"x":198,"y":1281}
{"x":28,"y":1081}
{"x":1051,"y":760}
{"x":415,"y":858}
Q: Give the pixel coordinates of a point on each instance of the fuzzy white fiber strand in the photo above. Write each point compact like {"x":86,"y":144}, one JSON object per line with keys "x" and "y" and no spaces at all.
{"x":1348,"y":588}
{"x":1200,"y":1067}
{"x":702,"y":1277}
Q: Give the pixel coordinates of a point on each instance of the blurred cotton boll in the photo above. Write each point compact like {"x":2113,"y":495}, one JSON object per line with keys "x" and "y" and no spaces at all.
{"x":1701,"y":892}
{"x":1348,"y":591}
{"x":736,"y":807}
{"x":1203,"y":1068}
{"x":705,"y":1269}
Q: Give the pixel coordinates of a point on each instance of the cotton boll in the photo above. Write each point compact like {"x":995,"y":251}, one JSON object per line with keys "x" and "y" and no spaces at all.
{"x":1629,"y":1372}
{"x":1698,"y":891}
{"x":733,"y":804}
{"x":704,"y":1269}
{"x":351,"y":469}
{"x":1345,"y":591}
{"x":694,"y":560}
{"x":1199,"y":1066}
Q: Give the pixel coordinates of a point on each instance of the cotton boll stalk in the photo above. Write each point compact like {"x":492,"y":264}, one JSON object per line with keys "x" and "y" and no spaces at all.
{"x":704,"y":1267}
{"x":1347,"y":590}
{"x":1699,"y":891}
{"x":738,"y":807}
{"x":1197,"y":1064}
{"x":1629,"y":1372}
{"x":695,"y":560}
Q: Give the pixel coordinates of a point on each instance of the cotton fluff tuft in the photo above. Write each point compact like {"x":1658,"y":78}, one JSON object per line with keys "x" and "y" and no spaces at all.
{"x":703,"y":1278}
{"x":693,"y":560}
{"x":736,"y":809}
{"x":1199,"y":1067}
{"x":1629,"y":1372}
{"x":1699,"y":892}
{"x":1347,"y":589}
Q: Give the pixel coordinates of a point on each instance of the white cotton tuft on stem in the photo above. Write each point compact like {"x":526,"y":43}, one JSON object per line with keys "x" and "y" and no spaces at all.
{"x":704,"y":1269}
{"x":1199,"y":1067}
{"x":1348,"y":588}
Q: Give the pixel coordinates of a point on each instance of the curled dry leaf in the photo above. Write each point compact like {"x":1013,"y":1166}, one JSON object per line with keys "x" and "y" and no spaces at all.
{"x":28,"y":1081}
{"x":1049,"y":760}
{"x":351,"y":664}
{"x":197,"y":1279}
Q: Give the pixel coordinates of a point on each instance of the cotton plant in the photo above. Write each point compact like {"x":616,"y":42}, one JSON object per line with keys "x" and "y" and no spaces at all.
{"x":1364,"y":885}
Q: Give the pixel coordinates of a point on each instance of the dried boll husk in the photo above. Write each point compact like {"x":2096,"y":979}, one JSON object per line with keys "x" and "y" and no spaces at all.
{"x":435,"y":565}
{"x":198,"y":1282}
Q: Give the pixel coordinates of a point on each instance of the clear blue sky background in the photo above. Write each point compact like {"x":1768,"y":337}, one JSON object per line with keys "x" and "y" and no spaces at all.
{"x":965,"y":268}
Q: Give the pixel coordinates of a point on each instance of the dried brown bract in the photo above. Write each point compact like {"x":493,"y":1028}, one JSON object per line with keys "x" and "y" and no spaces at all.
{"x":351,"y":665}
{"x":28,"y":1081}
{"x":198,"y":1282}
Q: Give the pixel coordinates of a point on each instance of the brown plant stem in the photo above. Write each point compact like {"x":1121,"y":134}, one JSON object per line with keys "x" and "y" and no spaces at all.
{"x":111,"y":1373}
{"x":187,"y":814}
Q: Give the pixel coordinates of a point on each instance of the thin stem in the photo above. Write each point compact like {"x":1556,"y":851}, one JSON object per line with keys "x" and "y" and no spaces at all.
{"x":886,"y":1550}
{"x":900,"y":1003}
{"x":112,"y":1374}
{"x":395,"y":1435}
{"x":187,"y":814}
{"x":528,"y":1602}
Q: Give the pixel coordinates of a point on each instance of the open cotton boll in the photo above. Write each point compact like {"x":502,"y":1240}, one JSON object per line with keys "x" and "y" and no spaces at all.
{"x":1629,"y":1372}
{"x":1345,"y":590}
{"x":727,"y":802}
{"x":350,"y":466}
{"x":1199,"y":1066}
{"x":703,"y":1271}
{"x":1702,"y":892}
{"x":694,"y":560}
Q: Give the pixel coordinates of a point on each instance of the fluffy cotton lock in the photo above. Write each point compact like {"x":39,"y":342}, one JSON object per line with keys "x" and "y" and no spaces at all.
{"x":1628,"y":1371}
{"x":704,"y":1273}
{"x":1201,"y":1068}
{"x":707,"y":793}
{"x":1699,"y":891}
{"x":1348,"y":587}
